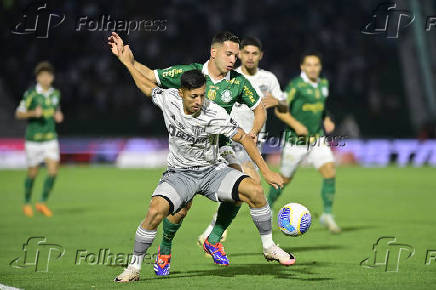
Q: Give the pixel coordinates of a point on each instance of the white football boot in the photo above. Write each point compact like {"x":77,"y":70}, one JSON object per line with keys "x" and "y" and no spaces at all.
{"x":129,"y":274}
{"x":275,"y":253}
{"x":328,"y":221}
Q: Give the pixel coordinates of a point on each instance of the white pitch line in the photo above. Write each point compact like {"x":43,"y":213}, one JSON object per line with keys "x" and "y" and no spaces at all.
{"x":6,"y":287}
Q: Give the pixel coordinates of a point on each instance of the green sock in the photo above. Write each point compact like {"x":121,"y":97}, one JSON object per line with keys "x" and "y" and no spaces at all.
{"x":328,"y":193}
{"x":227,"y":211}
{"x":28,"y":185}
{"x":48,"y":185}
{"x":169,"y":231}
{"x":273,"y":195}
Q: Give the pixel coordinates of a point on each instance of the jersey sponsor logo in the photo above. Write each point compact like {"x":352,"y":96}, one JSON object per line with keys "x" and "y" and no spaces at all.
{"x":226,"y":96}
{"x":249,"y":93}
{"x":316,"y":107}
{"x":211,"y":94}
{"x":174,"y":132}
{"x":234,"y":81}
{"x":198,"y":130}
{"x":172,"y":73}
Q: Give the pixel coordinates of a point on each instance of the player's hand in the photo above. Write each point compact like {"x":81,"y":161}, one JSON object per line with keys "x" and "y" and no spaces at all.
{"x":58,"y":117}
{"x":126,"y":56}
{"x":329,"y":125}
{"x":37,"y":113}
{"x":116,"y":43}
{"x":269,"y":101}
{"x":300,"y":129}
{"x":273,"y":178}
{"x":253,"y":136}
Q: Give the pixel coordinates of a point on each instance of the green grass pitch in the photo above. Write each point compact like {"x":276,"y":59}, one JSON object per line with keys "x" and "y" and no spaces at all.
{"x":100,"y":208}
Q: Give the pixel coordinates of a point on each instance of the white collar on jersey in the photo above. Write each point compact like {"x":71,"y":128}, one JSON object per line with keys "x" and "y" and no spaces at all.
{"x":205,"y":71}
{"x":39,"y":90}
{"x":307,"y":80}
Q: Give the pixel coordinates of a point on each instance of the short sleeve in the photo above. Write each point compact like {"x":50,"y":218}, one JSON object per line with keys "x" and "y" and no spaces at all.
{"x":291,"y":91}
{"x":249,"y":95}
{"x":170,"y":77}
{"x":276,"y":91}
{"x":26,"y":102}
{"x":157,"y":97}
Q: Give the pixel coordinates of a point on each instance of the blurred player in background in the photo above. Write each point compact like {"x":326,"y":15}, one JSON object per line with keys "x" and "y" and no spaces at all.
{"x":306,"y":120}
{"x":225,"y":87}
{"x":40,"y":107}
{"x":196,"y":167}
{"x":266,"y":85}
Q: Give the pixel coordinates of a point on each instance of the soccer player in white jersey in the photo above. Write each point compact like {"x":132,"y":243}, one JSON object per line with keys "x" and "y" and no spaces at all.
{"x":267,"y":86}
{"x":195,"y":166}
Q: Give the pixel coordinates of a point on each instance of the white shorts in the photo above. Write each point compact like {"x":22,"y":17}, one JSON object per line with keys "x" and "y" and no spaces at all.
{"x":37,"y":152}
{"x":293,"y":155}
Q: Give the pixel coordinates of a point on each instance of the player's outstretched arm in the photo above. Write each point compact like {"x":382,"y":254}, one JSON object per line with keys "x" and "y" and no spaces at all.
{"x":125,"y":55}
{"x":287,"y":118}
{"x":115,"y":41}
{"x":271,"y":177}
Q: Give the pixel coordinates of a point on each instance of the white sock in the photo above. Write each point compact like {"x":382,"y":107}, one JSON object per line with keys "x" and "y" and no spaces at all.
{"x":267,"y":241}
{"x":136,"y":261}
{"x":209,"y":228}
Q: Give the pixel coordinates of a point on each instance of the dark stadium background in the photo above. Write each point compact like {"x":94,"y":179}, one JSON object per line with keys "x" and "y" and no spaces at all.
{"x":366,"y":72}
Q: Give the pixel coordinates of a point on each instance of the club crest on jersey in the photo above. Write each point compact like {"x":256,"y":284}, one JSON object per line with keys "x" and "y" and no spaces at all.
{"x":197,"y":130}
{"x":226,"y":96}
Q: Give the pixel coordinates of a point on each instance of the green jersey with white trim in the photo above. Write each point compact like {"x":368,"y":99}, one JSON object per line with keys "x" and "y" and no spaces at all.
{"x":225,"y":92}
{"x":307,"y":104}
{"x":43,"y":128}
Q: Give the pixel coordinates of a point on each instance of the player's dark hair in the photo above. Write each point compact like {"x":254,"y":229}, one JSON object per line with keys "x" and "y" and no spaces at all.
{"x":44,"y":66}
{"x":251,"y":41}
{"x":223,"y":36}
{"x":310,"y":53}
{"x":192,"y":79}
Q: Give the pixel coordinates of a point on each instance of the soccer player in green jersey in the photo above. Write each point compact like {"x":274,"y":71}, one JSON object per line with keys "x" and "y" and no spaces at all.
{"x":306,"y":120}
{"x":267,"y":86}
{"x":225,"y":87}
{"x":40,"y":107}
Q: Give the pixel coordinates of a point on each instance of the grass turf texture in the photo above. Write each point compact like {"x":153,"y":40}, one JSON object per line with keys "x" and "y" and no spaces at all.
{"x":98,"y":208}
